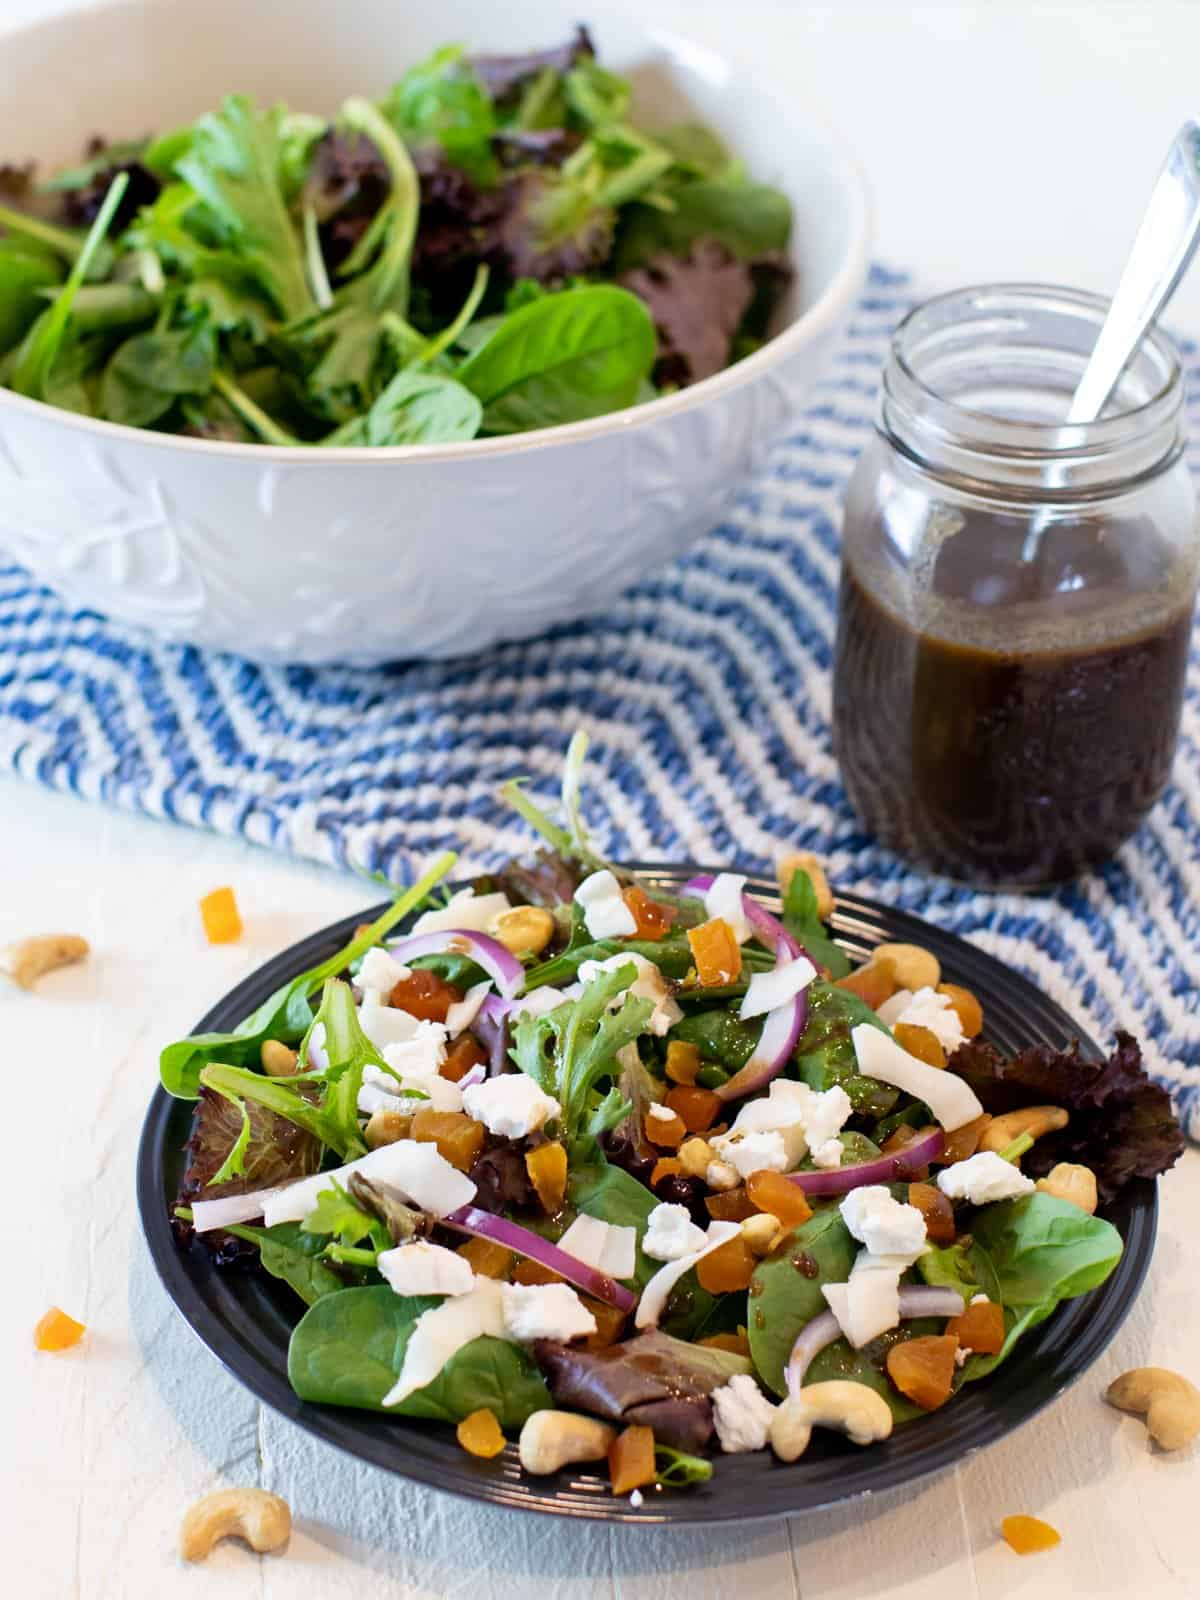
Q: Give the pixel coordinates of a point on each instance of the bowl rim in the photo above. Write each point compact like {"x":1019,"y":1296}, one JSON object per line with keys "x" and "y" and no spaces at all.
{"x":811,"y":323}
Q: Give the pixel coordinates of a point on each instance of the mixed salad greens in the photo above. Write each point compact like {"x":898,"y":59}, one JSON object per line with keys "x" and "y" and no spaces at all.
{"x":490,"y":248}
{"x":644,"y":1176}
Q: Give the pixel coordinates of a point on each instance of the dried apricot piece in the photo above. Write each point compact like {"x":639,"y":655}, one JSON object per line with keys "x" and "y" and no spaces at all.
{"x":631,"y":1459}
{"x":610,"y":1324}
{"x":665,"y":1167}
{"x":683,"y":1061}
{"x":716,"y":952}
{"x":57,"y":1331}
{"x":667,"y":1132}
{"x":772,"y":1192}
{"x":425,"y":995}
{"x":874,"y":983}
{"x":731,"y":1205}
{"x":980,"y":1328}
{"x":480,"y":1434}
{"x":547,"y":1169}
{"x":728,"y":1268}
{"x":651,"y":917}
{"x":964,"y":1141}
{"x":938,"y":1213}
{"x":923,"y":1369}
{"x":1029,"y":1535}
{"x":920,"y":1042}
{"x":970,"y":1012}
{"x":737,"y":1344}
{"x":459,"y":1138}
{"x":221,"y":917}
{"x":697,"y":1108}
{"x":487,"y":1259}
{"x":527,"y":1271}
{"x":466,"y":1052}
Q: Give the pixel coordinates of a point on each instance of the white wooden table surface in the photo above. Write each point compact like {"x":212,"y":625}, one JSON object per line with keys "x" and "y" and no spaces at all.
{"x":1004,"y":139}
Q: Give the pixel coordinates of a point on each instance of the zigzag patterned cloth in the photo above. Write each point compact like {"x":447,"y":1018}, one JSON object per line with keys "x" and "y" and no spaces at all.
{"x":706,"y":691}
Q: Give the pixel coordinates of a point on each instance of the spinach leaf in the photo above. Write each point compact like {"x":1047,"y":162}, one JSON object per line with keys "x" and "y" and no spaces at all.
{"x":719,"y":1037}
{"x":149,"y":372}
{"x":581,"y":353}
{"x":23,"y":274}
{"x":696,"y":148}
{"x":348,"y":1350}
{"x":802,"y":922}
{"x":869,"y":1365}
{"x":785,"y":1291}
{"x":111,"y":308}
{"x":287,"y":1252}
{"x":1043,"y":1251}
{"x":422,"y":408}
{"x":73,"y":382}
{"x":234,"y":163}
{"x":825,"y":1055}
{"x":749,"y":219}
{"x":442,"y":101}
{"x":286,"y":1014}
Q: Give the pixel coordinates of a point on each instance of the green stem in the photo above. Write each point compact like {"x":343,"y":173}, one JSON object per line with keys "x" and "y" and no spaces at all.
{"x":347,"y":1256}
{"x":557,"y":838}
{"x":405,"y":198}
{"x":1014,"y":1151}
{"x":251,"y":413}
{"x":63,"y":241}
{"x":470,"y":306}
{"x":314,"y":260}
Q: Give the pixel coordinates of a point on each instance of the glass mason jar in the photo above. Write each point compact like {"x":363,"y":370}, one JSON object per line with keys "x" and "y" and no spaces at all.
{"x":1016,"y":594}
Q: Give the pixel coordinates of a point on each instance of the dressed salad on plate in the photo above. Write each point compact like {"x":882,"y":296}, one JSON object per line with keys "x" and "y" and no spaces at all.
{"x":642,"y":1178}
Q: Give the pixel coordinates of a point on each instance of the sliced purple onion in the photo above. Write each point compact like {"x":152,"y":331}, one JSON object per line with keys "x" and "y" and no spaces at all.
{"x":501,"y":1231}
{"x":822,"y":1331}
{"x":781,"y":1031}
{"x":231,"y":1208}
{"x":880,"y":1169}
{"x":500,"y":964}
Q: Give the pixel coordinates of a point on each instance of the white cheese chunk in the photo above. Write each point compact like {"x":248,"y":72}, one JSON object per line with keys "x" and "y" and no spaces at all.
{"x":441,"y":1332}
{"x":544,"y":1311}
{"x":925,"y":1008}
{"x":886,"y":1226}
{"x":383,"y":1025}
{"x":658,"y":1291}
{"x":671,"y":1233}
{"x":724,"y":900}
{"x":605,"y":913}
{"x":767,"y":991}
{"x":609,"y":1247}
{"x":984,"y":1178}
{"x":742,"y":1414}
{"x":463,"y":1012}
{"x":950,"y":1098}
{"x":868,"y":1303}
{"x":511,"y":1105}
{"x":649,"y":984}
{"x":541,"y":1001}
{"x":417,"y":1171}
{"x":661,"y":1113}
{"x":380,"y":973}
{"x":465,"y":912}
{"x":752,"y":1152}
{"x":411,"y":1091}
{"x":423,"y":1268}
{"x":421,"y":1054}
{"x":804,"y":1118}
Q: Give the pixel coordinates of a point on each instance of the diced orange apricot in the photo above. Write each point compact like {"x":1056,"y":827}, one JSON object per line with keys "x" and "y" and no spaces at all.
{"x":610,"y":1324}
{"x":923,"y":1369}
{"x":221,"y":917}
{"x":683,"y":1061}
{"x":1029,"y":1535}
{"x":980,"y":1328}
{"x":487,"y":1259}
{"x":697,"y":1108}
{"x":737,"y":1344}
{"x":466,"y":1052}
{"x":666,"y":1132}
{"x":920,"y":1042}
{"x":653,"y":919}
{"x":716,"y":952}
{"x":771,"y":1192}
{"x":57,"y":1331}
{"x":665,"y":1167}
{"x":527,"y":1271}
{"x":728,"y":1268}
{"x":970,"y":1012}
{"x":480,"y":1434}
{"x":459,"y":1138}
{"x":730,"y":1205}
{"x":547,"y":1169}
{"x":964,"y":1141}
{"x":631,"y":1459}
{"x":874,"y":983}
{"x":937,"y":1211}
{"x":425,"y":995}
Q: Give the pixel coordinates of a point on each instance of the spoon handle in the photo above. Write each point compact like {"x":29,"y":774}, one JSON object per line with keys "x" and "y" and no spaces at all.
{"x":1165,"y":244}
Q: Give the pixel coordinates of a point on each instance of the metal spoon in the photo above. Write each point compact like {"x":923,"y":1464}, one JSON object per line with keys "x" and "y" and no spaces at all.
{"x":1161,"y":253}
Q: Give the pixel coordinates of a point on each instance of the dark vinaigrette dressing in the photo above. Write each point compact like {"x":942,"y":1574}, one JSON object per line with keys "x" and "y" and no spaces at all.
{"x":1021,"y":725}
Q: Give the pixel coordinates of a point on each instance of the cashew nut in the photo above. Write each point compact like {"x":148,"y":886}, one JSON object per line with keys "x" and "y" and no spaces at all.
{"x":553,"y":1439}
{"x":263,"y":1520}
{"x":913,"y":967}
{"x":1072,"y":1183}
{"x":1169,"y":1402}
{"x":694,"y":1157}
{"x":525,"y":930}
{"x":722,"y":1175}
{"x":278,"y":1061}
{"x":26,"y":960}
{"x":762,"y":1233}
{"x":387,"y":1127}
{"x":858,"y":1412}
{"x":1034,"y":1120}
{"x":805,"y":861}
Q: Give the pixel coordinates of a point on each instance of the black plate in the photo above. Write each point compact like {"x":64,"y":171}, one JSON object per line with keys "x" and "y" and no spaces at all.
{"x":245,"y":1318}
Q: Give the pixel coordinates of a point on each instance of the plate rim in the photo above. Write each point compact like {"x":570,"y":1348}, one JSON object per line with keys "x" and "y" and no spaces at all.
{"x":862,"y":915}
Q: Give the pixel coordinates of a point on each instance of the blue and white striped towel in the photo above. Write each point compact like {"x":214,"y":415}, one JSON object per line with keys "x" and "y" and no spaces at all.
{"x":706,"y":691}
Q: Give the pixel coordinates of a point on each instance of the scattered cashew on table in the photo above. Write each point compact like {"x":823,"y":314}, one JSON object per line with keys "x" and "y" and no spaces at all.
{"x":262,"y":1519}
{"x":1169,"y":1402}
{"x":26,"y":960}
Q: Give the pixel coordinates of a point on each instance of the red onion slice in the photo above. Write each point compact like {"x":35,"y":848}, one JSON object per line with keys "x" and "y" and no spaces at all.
{"x":500,"y":1230}
{"x":822,"y":1331}
{"x":781,"y":1031}
{"x":500,"y":964}
{"x":880,"y":1169}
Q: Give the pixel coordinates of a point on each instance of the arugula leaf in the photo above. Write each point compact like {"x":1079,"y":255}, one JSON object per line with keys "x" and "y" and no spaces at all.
{"x":577,"y":354}
{"x":287,"y":1252}
{"x":597,"y":96}
{"x":336,"y":1214}
{"x":24,"y":272}
{"x":965,"y":1268}
{"x":149,"y":372}
{"x":801,"y":920}
{"x":348,"y":1350}
{"x":286,"y":1014}
{"x":442,"y":101}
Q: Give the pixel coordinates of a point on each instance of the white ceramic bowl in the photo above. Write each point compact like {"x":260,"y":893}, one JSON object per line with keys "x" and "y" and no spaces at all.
{"x":368,"y":555}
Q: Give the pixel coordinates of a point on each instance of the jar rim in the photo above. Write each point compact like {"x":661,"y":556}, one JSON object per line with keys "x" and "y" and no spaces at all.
{"x":992,"y":433}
